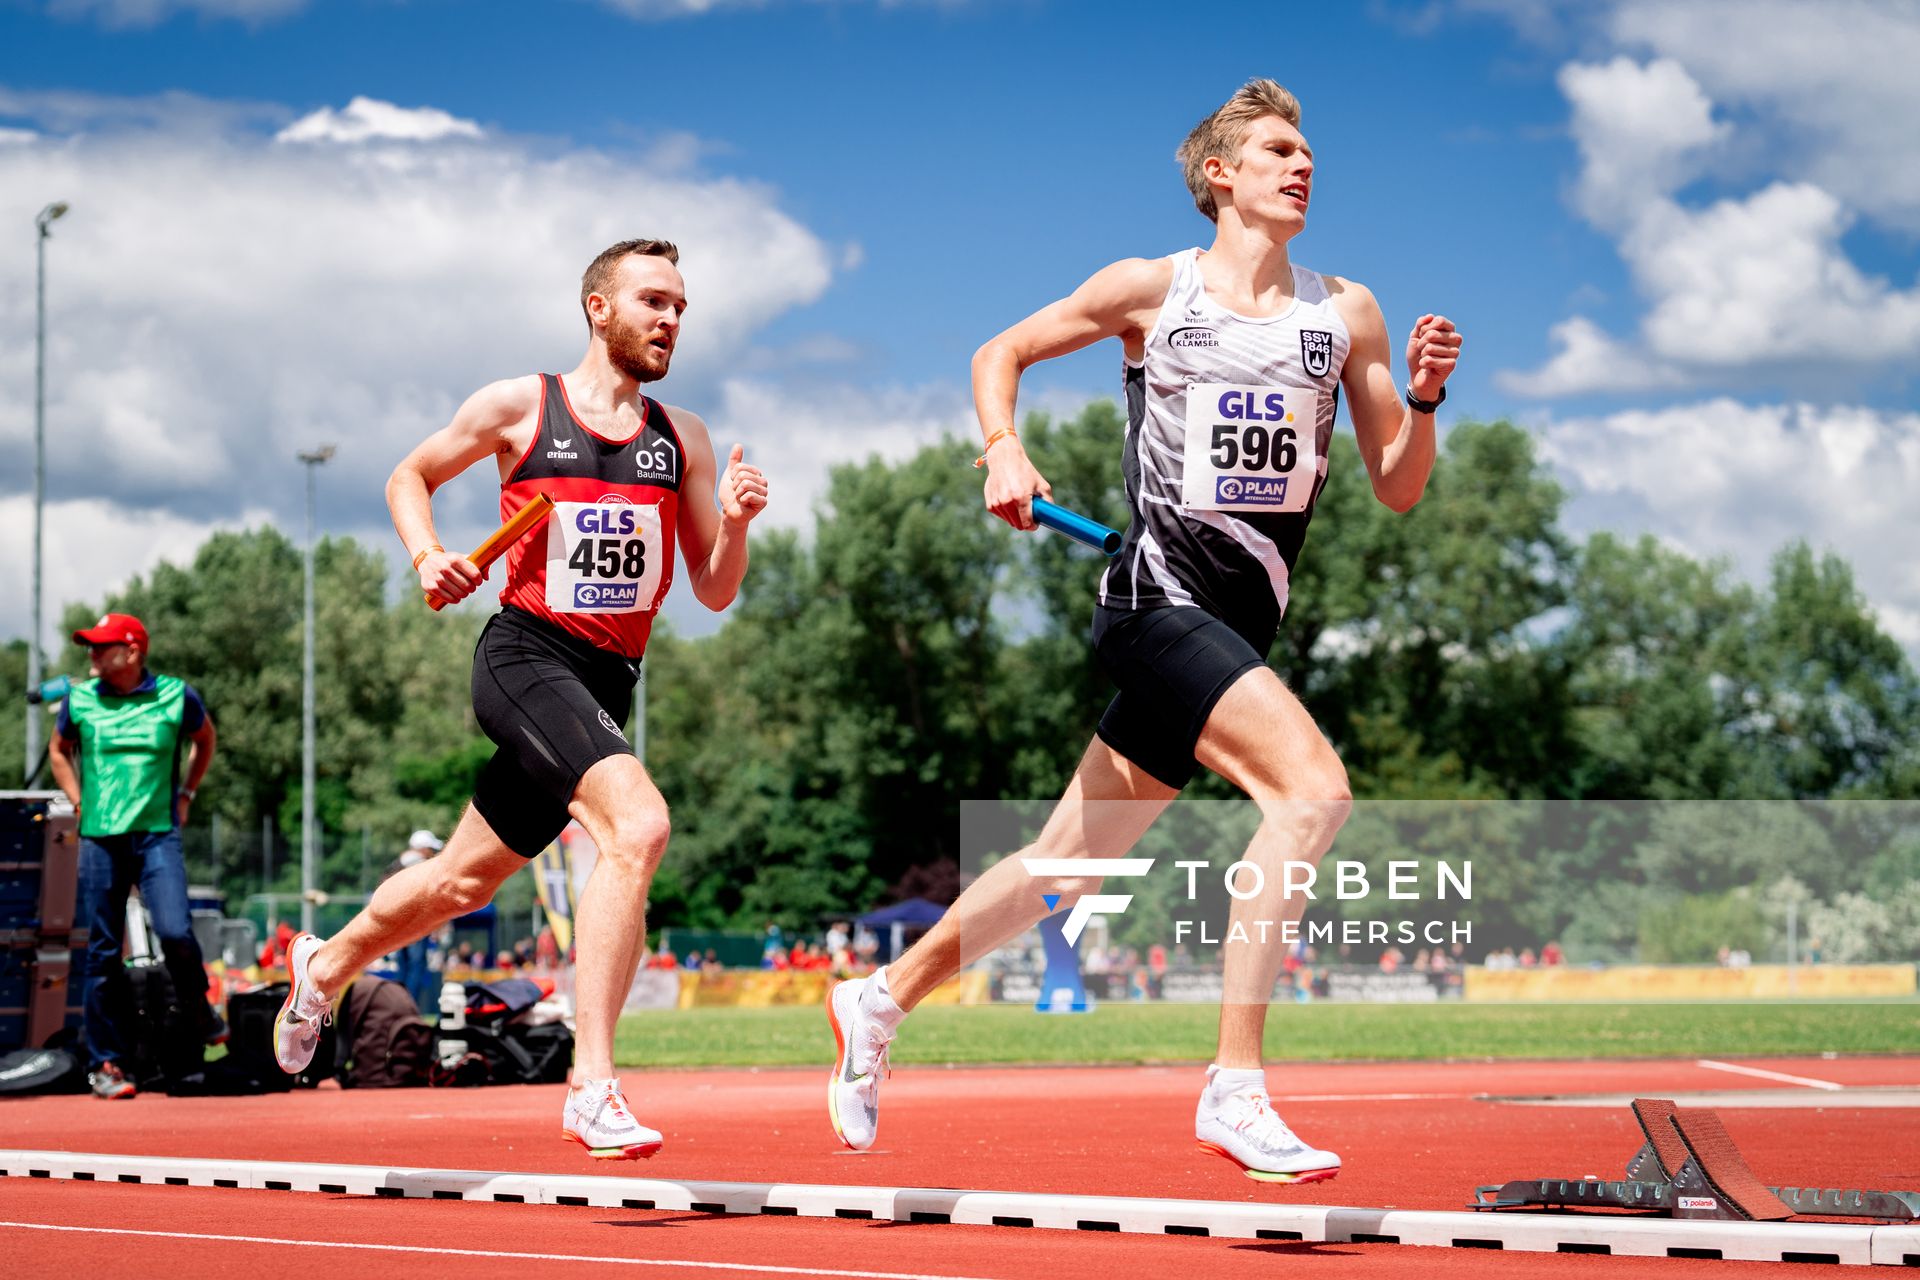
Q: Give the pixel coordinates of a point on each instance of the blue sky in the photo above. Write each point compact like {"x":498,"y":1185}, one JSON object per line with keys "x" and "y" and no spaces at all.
{"x":1684,"y":256}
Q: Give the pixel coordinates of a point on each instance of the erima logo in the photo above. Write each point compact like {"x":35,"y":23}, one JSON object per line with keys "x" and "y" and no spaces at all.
{"x":1193,"y":336}
{"x":1250,"y":489}
{"x":563,"y":444}
{"x":1089,"y":904}
{"x":563,"y":449}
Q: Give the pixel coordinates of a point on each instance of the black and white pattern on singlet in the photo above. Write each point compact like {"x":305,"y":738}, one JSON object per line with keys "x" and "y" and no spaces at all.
{"x":1236,"y":566}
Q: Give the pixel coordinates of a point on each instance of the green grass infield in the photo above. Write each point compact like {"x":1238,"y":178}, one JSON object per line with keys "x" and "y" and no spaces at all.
{"x":799,"y":1036}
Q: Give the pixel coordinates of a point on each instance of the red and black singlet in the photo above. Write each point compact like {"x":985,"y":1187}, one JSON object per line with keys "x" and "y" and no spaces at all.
{"x":600,"y":567}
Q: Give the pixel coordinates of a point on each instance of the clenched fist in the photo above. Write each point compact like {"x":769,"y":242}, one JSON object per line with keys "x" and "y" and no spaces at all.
{"x":1432,"y":351}
{"x":449,"y":578}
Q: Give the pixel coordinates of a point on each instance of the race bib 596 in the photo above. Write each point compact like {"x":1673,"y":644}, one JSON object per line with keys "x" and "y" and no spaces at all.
{"x":1250,"y":448}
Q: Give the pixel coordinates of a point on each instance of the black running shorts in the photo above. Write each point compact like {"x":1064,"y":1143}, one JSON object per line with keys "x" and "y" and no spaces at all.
{"x":1172,"y":665}
{"x":554,"y":705}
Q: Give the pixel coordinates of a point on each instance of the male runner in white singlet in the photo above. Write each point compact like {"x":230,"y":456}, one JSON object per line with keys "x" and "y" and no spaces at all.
{"x":1235,"y":358}
{"x":554,"y":671}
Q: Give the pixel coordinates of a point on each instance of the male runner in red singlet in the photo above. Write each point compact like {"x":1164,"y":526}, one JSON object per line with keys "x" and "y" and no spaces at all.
{"x":1235,"y":361}
{"x":554,"y":671}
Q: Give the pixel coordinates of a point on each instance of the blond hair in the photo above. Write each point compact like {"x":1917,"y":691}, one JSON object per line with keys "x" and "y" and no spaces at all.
{"x":1222,"y":133}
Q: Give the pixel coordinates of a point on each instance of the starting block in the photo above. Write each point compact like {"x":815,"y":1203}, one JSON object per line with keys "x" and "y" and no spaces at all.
{"x":1688,"y":1167}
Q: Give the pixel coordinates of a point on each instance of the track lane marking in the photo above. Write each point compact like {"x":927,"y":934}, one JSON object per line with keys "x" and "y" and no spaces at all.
{"x":763,"y":1268}
{"x":1758,"y":1074}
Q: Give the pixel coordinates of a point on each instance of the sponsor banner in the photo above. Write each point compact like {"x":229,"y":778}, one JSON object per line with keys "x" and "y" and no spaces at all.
{"x":1689,"y":982}
{"x":1204,"y":986}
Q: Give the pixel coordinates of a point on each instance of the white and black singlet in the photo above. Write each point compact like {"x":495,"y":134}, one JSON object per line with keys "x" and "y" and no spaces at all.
{"x":1238,"y":396}
{"x":1229,"y":419}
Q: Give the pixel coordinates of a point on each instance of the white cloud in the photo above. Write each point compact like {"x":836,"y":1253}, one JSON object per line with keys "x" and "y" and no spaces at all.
{"x":1639,"y":129}
{"x":661,"y":10}
{"x":1585,"y":358}
{"x":16,"y":137}
{"x":148,"y":13}
{"x":367,"y":119}
{"x":1742,"y":283}
{"x":1721,"y":478}
{"x":93,"y":548}
{"x":796,"y":433}
{"x":1832,"y":84}
{"x":218,"y":301}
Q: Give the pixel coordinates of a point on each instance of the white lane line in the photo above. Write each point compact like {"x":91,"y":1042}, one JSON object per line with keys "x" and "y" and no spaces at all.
{"x":489,"y":1253}
{"x":1368,"y":1097}
{"x":1758,"y":1074}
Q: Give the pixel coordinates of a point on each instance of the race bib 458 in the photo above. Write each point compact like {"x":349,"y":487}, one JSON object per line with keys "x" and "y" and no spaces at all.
{"x":603,"y":557}
{"x":1250,"y":448}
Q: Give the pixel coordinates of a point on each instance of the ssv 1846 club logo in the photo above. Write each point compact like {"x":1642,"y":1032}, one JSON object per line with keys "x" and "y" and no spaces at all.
{"x":1316,"y":351}
{"x":1089,"y":905}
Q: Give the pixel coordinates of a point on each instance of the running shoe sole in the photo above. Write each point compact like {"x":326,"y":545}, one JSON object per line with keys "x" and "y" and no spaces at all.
{"x":1263,"y":1175}
{"x":839,"y":1070}
{"x":633,"y":1151}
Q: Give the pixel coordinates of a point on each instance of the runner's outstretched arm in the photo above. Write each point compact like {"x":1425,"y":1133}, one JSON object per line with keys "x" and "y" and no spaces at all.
{"x":715,"y":540}
{"x":1117,"y":301}
{"x":1396,"y":443}
{"x":484,"y":426}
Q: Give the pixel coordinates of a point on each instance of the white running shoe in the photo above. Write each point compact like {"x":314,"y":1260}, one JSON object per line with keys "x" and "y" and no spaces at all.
{"x":853,"y":1093}
{"x":1243,"y":1127}
{"x":597,"y":1118}
{"x":296,"y":1032}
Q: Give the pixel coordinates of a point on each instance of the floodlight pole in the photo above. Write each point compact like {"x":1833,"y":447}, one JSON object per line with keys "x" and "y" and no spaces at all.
{"x":42,"y":223}
{"x":311,"y":459}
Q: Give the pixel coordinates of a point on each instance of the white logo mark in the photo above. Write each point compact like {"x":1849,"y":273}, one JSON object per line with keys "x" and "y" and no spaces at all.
{"x":1091,"y":904}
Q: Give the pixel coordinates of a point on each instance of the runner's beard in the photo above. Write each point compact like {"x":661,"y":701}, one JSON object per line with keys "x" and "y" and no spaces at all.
{"x":630,"y":349}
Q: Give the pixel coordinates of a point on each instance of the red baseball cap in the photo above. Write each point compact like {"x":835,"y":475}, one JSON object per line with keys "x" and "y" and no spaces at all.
{"x":114,"y":628}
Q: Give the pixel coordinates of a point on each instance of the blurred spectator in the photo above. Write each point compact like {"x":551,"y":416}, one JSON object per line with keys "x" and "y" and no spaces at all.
{"x":866,"y":945}
{"x":710,"y":966}
{"x":838,"y":937}
{"x":1552,"y":955}
{"x":774,"y":947}
{"x":1390,"y":960}
{"x":546,"y":950}
{"x":1527,"y":959}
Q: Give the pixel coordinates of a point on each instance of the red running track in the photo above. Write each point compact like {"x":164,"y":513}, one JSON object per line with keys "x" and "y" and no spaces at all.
{"x":1413,"y":1136}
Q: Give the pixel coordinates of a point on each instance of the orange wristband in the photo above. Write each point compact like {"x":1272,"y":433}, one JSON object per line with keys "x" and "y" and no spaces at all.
{"x":993,"y":440}
{"x":424,"y":553}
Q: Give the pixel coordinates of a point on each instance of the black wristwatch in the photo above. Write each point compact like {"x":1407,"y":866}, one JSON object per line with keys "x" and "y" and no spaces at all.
{"x":1418,"y":405}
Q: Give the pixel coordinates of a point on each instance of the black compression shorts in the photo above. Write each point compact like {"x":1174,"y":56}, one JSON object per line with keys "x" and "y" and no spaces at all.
{"x":554,"y":705}
{"x":1172,"y":665}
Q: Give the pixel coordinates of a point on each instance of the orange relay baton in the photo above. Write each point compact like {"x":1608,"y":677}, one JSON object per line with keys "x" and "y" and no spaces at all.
{"x":525,"y":521}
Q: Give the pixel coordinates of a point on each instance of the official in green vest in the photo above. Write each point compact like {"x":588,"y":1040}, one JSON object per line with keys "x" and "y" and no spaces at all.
{"x":118,"y":757}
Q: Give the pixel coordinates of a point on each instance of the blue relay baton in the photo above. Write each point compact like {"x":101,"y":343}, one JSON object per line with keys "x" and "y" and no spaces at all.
{"x":1076,"y":526}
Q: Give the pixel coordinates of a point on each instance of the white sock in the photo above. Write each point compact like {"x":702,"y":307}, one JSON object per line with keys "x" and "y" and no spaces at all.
{"x":1223,"y":1082}
{"x":877,"y":1002}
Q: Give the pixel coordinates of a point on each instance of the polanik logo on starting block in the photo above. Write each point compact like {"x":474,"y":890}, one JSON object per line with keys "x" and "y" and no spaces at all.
{"x":612,"y":595}
{"x":1250,"y":489}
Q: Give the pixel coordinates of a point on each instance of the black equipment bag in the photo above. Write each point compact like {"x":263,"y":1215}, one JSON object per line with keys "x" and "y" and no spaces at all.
{"x":166,"y":1047}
